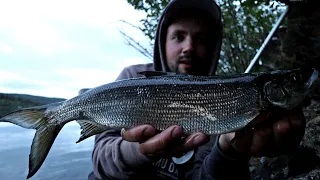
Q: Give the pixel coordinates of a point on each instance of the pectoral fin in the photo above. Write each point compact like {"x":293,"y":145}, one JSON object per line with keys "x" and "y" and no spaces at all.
{"x":89,"y":128}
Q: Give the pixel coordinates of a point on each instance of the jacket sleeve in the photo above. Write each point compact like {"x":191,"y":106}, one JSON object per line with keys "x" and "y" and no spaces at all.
{"x":211,"y":164}
{"x":115,"y":158}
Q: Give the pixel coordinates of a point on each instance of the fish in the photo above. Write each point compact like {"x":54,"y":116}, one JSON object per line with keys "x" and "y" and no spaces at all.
{"x":209,"y":104}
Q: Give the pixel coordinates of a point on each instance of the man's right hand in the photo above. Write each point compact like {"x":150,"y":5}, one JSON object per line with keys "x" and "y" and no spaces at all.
{"x":169,"y":142}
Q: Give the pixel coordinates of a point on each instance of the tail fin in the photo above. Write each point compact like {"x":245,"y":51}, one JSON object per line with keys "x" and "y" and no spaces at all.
{"x":30,"y":118}
{"x":41,"y":145}
{"x":34,"y":118}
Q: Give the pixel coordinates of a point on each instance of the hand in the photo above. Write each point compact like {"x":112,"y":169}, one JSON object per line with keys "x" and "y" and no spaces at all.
{"x":280,"y":137}
{"x":166,"y":143}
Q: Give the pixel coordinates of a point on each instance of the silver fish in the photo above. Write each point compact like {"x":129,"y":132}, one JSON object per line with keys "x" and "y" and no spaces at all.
{"x":212,"y":105}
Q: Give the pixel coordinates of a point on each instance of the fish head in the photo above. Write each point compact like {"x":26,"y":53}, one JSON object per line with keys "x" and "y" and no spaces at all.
{"x":289,"y":89}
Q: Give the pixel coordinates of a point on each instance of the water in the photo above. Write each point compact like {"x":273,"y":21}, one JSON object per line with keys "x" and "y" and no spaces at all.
{"x":66,"y":159}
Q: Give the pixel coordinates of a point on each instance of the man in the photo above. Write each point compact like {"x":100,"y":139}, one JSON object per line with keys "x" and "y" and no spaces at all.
{"x":188,"y":41}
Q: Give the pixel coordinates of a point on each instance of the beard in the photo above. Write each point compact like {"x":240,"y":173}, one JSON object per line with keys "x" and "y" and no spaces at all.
{"x":191,"y":65}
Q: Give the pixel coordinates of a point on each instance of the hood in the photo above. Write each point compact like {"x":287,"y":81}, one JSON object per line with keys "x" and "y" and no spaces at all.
{"x":207,"y":6}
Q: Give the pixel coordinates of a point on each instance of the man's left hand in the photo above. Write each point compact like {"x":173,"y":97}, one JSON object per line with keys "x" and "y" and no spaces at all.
{"x":281,"y":136}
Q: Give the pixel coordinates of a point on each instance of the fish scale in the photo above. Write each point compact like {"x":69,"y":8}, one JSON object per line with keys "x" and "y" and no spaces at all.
{"x":195,"y":104}
{"x":212,"y":105}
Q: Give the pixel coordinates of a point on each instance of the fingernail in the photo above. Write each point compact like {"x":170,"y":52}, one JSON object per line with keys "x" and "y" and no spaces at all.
{"x":198,"y":139}
{"x":149,"y":132}
{"x":283,"y":127}
{"x":122,"y":131}
{"x":176,"y":133}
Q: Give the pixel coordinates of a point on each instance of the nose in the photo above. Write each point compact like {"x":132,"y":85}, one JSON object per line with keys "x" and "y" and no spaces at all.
{"x":188,"y":45}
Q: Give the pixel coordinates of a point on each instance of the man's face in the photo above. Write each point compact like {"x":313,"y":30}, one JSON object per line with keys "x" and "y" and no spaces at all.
{"x":187,"y":47}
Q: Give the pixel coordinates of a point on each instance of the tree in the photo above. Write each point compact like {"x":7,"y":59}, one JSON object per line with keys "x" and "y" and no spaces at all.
{"x":246,"y":24}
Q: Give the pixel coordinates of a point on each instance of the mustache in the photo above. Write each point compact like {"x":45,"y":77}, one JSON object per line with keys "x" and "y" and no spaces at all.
{"x":198,"y":65}
{"x":189,"y":59}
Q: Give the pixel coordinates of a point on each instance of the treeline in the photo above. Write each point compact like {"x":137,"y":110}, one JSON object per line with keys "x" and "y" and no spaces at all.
{"x":12,"y":102}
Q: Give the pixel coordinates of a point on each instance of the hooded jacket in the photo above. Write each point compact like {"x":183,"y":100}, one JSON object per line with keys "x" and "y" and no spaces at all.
{"x":208,"y":8}
{"x":114,"y":158}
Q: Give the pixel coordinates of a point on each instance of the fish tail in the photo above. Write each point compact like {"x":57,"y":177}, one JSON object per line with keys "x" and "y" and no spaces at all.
{"x":46,"y":133}
{"x":41,"y":145}
{"x":30,"y":118}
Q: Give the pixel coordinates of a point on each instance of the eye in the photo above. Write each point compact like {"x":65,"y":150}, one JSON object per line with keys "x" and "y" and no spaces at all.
{"x":200,"y":39}
{"x":178,"y":37}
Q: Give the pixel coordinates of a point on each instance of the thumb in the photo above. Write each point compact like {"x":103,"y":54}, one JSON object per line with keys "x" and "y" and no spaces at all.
{"x":139,"y":133}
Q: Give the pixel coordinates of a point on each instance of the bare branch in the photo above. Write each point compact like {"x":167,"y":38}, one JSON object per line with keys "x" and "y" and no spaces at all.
{"x":134,"y":26}
{"x":131,"y":42}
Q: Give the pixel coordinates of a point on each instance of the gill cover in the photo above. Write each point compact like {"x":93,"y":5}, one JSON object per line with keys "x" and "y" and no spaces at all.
{"x":290,"y":89}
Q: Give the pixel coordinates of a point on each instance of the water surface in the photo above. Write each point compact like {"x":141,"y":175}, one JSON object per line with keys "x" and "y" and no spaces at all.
{"x":65,"y":161}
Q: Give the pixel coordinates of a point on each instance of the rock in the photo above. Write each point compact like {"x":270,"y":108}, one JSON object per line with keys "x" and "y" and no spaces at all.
{"x":302,"y":160}
{"x":300,"y":163}
{"x":311,"y":137}
{"x":311,"y":110}
{"x":269,"y":168}
{"x":312,"y":175}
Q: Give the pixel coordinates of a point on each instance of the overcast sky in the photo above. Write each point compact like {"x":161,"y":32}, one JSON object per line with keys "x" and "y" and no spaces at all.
{"x":55,"y":48}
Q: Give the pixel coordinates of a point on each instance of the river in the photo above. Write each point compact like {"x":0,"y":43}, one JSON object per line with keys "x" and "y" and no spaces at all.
{"x":65,"y":161}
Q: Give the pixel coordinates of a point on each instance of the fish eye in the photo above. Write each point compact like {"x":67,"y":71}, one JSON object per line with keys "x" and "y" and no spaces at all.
{"x":295,"y":77}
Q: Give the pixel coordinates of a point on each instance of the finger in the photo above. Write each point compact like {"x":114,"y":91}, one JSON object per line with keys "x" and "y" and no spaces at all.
{"x":263,"y":120}
{"x":294,"y":134}
{"x":292,"y":121}
{"x":283,"y":136}
{"x":261,"y":142}
{"x":281,"y":128}
{"x":138,"y":133}
{"x":298,"y":123}
{"x":159,"y":142}
{"x":191,"y":142}
{"x":244,"y":136}
{"x":243,"y":142}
